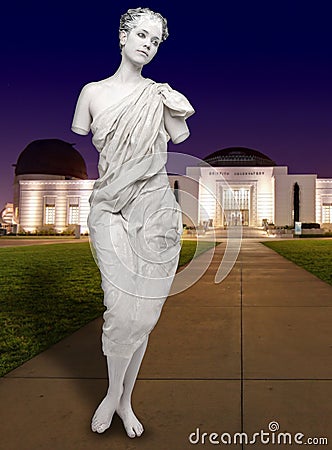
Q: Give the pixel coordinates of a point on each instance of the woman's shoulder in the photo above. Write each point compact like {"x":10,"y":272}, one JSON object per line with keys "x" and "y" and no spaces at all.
{"x":94,"y":86}
{"x":89,"y":89}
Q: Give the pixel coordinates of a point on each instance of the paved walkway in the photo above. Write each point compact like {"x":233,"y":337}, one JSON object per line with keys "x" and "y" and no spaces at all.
{"x":224,"y":358}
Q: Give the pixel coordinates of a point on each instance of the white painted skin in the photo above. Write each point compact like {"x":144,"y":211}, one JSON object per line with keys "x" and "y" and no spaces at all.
{"x":140,"y":46}
{"x":97,"y":96}
{"x":142,"y":43}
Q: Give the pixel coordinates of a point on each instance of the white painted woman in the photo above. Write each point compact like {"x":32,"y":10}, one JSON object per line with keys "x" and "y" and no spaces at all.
{"x":134,"y":221}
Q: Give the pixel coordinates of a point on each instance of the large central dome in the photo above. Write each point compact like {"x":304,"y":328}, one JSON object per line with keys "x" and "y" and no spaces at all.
{"x":240,"y":157}
{"x":51,"y":157}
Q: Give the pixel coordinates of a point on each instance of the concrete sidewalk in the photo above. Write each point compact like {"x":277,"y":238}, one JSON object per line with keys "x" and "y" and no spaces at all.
{"x":224,"y":358}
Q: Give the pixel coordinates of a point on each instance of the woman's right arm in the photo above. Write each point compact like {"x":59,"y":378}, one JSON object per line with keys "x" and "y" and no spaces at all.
{"x":176,"y":127}
{"x":82,"y":117}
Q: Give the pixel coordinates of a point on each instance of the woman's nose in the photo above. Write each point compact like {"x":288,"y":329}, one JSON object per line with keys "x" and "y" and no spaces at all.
{"x":147,"y":44}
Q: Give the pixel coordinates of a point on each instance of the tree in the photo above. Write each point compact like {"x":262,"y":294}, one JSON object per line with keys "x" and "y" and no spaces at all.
{"x":296,"y":202}
{"x":176,"y":190}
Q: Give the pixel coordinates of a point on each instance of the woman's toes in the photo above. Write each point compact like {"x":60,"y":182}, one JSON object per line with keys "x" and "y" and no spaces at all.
{"x":131,"y":433}
{"x":101,"y":428}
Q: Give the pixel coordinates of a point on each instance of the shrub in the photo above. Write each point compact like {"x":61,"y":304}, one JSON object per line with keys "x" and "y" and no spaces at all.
{"x":69,"y":231}
{"x":310,"y":225}
{"x":46,"y":230}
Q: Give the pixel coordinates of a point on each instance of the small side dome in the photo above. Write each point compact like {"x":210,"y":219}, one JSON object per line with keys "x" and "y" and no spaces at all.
{"x":51,"y":157}
{"x":239,"y":157}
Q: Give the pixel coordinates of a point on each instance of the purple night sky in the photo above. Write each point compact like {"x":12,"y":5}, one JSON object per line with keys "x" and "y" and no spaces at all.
{"x":259,"y":75}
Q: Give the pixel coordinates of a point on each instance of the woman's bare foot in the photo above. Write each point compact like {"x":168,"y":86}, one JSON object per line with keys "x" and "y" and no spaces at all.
{"x":122,"y":374}
{"x":103,"y":416}
{"x":132,"y":425}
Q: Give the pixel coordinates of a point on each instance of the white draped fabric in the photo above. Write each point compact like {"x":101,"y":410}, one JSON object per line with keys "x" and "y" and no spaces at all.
{"x":134,"y":221}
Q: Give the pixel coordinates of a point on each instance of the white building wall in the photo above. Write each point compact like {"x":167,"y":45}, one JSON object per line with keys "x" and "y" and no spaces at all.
{"x":307,"y":185}
{"x":33,"y":193}
{"x":61,"y":206}
{"x":207,"y":202}
{"x":31,"y":205}
{"x":323,"y":199}
{"x":284,"y":198}
{"x":265,"y":208}
{"x":265,"y":197}
{"x":188,"y":188}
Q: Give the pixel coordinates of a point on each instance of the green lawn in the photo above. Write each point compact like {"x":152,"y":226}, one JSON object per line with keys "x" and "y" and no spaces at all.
{"x":314,"y":255}
{"x":49,"y":291}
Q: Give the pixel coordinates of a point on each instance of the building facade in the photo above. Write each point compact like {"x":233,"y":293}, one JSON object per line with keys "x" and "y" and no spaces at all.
{"x":241,"y":186}
{"x":51,"y":188}
{"x":233,"y":186}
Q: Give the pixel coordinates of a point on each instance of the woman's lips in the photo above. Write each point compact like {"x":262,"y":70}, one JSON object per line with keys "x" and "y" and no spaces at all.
{"x":143,"y":52}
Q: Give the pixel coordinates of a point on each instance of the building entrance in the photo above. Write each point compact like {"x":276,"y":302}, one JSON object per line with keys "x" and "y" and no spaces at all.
{"x":236,"y":206}
{"x":234,"y":218}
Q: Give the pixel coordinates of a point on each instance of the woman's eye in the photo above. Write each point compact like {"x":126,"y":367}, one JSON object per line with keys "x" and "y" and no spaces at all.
{"x":155,"y":43}
{"x":141,"y":35}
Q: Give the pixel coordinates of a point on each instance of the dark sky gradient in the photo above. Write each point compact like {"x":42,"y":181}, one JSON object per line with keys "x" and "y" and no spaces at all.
{"x":259,"y":75}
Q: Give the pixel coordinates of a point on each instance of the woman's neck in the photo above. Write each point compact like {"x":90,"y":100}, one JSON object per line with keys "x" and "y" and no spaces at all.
{"x":128,"y":73}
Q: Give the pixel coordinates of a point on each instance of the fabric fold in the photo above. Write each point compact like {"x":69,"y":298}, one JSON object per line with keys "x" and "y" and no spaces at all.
{"x":135,"y":221}
{"x":177,"y":103}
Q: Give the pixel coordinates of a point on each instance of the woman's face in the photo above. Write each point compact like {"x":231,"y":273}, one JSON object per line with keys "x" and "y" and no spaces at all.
{"x":142,"y":43}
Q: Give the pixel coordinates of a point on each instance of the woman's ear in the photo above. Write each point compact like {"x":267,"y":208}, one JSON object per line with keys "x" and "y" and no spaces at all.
{"x":123,"y":37}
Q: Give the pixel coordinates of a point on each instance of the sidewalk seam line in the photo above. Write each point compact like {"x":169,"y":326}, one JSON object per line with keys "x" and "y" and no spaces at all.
{"x":168,"y":379}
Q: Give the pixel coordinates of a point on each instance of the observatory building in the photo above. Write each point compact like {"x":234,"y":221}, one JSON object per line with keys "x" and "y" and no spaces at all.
{"x":230,"y":187}
{"x":242,"y":186}
{"x":51,"y":187}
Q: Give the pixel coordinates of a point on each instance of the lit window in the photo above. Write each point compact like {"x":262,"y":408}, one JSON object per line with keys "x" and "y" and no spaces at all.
{"x":50,"y":215}
{"x":236,"y":199}
{"x":49,"y":218}
{"x":73,"y":211}
{"x":327,"y":213}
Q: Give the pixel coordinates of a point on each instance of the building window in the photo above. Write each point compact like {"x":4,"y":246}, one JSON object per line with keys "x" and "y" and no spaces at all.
{"x":236,"y":198}
{"x":49,"y":215}
{"x":73,"y":211}
{"x":327,"y":213}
